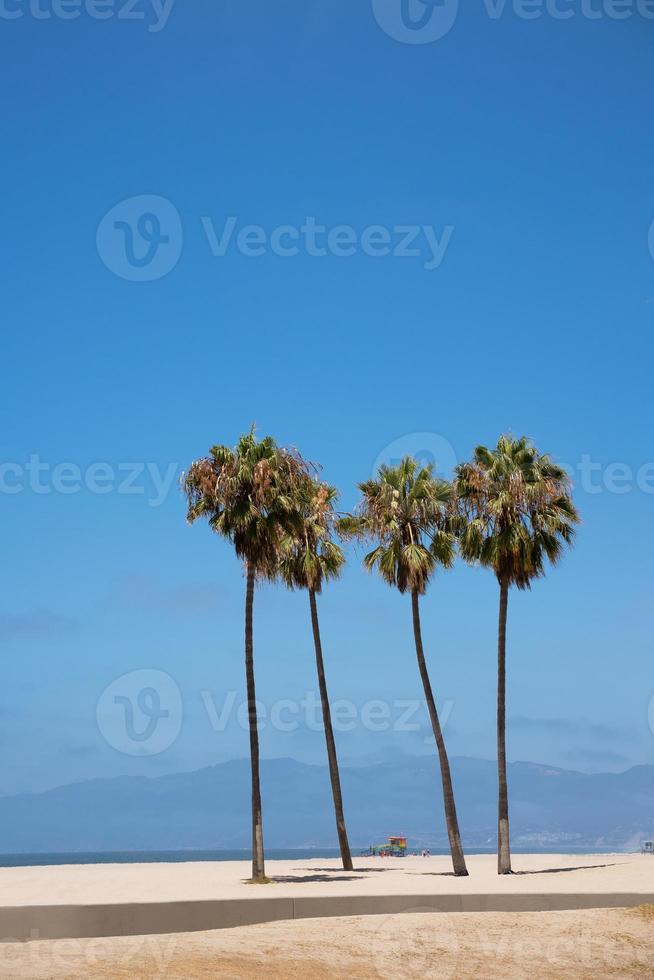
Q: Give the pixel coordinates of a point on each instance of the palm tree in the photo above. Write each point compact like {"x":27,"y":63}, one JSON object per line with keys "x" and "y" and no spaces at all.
{"x":518,"y":514}
{"x":245,"y":494}
{"x":406,"y":510}
{"x":310,"y":557}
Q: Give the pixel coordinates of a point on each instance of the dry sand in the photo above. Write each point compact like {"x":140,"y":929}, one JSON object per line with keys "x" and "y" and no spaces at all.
{"x":540,"y":873}
{"x":590,"y":944}
{"x":584,"y":945}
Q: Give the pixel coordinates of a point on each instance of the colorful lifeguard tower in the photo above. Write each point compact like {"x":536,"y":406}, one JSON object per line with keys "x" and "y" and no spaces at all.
{"x":394,"y":847}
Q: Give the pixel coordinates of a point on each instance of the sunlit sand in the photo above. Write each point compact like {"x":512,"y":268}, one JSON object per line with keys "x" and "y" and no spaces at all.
{"x":585,"y":945}
{"x":535,"y":873}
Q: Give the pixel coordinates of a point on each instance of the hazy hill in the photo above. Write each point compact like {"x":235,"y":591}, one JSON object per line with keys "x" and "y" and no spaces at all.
{"x":209,"y":808}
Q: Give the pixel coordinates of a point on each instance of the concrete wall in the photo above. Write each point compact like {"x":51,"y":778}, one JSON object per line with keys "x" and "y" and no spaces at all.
{"x":154,"y":918}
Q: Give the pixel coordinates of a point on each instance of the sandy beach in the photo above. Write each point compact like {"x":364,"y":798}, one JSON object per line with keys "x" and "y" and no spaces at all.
{"x":193,"y":881}
{"x":587,"y":942}
{"x":586,"y":945}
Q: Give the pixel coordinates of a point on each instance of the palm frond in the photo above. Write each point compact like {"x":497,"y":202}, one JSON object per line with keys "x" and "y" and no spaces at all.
{"x":515,"y":510}
{"x":408,"y":513}
{"x":246,"y":496}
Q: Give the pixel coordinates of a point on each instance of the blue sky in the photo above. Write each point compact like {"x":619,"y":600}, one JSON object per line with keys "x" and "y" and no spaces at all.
{"x":530,"y":140}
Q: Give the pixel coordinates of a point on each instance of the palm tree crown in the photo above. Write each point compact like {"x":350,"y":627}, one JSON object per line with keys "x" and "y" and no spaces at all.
{"x":408,"y":510}
{"x":518,"y":510}
{"x":309,"y":554}
{"x":246,"y":495}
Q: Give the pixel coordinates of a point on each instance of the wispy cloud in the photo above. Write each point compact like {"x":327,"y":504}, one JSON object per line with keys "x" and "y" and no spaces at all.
{"x":137,"y":592}
{"x":572,"y":728}
{"x":80,"y":751}
{"x":598,"y":757}
{"x":35,"y":622}
{"x":144,"y":593}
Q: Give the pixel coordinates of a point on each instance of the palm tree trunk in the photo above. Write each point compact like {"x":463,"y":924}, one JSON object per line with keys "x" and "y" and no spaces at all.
{"x":258,"y":866}
{"x":456,"y":849}
{"x":329,"y":736}
{"x":503,"y":841}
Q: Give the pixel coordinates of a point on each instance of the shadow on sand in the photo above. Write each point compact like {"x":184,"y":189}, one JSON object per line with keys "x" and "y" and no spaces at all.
{"x":298,"y":879}
{"x":332,"y":874}
{"x":433,"y":874}
{"x":357,"y":871}
{"x":541,"y":871}
{"x":326,"y":874}
{"x":558,"y":871}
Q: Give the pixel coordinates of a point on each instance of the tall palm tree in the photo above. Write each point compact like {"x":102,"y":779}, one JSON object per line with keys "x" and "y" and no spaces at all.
{"x":310,"y":557}
{"x":406,"y":510}
{"x":245,"y":494}
{"x":518,"y":514}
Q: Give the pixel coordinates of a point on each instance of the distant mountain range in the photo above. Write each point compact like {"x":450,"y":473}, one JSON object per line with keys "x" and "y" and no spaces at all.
{"x":209,"y":808}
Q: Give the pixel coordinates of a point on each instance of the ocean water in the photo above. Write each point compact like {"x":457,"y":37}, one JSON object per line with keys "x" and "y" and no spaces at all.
{"x":274,"y":854}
